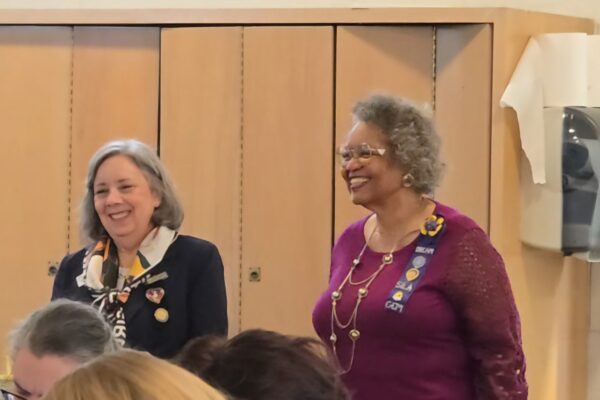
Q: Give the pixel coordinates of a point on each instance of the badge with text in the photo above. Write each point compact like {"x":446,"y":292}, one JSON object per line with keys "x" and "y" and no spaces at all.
{"x":155,"y":295}
{"x":430,"y":234}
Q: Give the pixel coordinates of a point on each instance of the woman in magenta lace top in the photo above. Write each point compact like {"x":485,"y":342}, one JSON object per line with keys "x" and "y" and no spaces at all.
{"x":419,"y":305}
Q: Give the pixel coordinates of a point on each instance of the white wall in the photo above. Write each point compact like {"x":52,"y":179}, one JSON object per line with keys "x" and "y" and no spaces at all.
{"x":583,"y":8}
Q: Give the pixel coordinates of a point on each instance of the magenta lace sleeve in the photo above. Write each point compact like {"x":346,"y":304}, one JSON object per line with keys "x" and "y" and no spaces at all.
{"x":477,"y":284}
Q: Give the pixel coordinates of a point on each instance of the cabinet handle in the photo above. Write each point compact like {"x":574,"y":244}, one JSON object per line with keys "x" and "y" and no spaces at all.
{"x":52,"y":268}
{"x":254,"y":274}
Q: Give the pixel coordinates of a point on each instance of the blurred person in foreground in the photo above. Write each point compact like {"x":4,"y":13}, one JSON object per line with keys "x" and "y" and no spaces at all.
{"x":132,"y":375}
{"x":52,"y":342}
{"x":264,"y":365}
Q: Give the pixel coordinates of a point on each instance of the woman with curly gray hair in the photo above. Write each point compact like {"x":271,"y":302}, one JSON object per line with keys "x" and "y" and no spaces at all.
{"x":156,"y":287}
{"x":419,"y":305}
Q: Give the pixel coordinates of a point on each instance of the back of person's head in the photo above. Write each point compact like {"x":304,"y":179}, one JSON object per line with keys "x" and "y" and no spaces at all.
{"x":64,"y":328}
{"x":131,"y":375}
{"x":265,"y":365}
{"x":55,"y":339}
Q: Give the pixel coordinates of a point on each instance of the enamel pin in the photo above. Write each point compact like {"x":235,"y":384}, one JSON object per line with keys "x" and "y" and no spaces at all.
{"x":155,"y":295}
{"x":161,"y":315}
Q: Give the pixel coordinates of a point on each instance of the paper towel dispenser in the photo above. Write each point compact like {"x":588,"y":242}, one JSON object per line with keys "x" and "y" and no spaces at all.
{"x":564,"y":213}
{"x":581,"y":132}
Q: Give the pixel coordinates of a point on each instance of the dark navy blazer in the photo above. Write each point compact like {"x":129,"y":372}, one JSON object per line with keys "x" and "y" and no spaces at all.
{"x":194,"y":297}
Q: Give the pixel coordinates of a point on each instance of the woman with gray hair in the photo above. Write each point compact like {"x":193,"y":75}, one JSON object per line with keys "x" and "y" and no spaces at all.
{"x":53,"y":341}
{"x":419,"y":305}
{"x":156,"y":287}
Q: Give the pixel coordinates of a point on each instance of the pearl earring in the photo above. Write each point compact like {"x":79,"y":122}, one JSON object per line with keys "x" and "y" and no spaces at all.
{"x":408,"y":180}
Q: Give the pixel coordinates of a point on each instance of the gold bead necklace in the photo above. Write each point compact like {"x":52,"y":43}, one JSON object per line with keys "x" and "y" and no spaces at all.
{"x":336,"y":295}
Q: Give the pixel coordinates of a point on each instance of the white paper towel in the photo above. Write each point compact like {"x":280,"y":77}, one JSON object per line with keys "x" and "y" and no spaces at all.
{"x":555,"y":70}
{"x":594,"y":72}
{"x":564,"y":69}
{"x":525,"y":95}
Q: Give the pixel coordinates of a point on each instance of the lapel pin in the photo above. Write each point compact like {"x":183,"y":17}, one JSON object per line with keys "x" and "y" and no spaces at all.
{"x":155,"y":295}
{"x":161,"y":315}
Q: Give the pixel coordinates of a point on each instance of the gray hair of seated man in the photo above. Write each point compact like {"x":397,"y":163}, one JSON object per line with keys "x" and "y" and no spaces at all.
{"x":64,"y":328}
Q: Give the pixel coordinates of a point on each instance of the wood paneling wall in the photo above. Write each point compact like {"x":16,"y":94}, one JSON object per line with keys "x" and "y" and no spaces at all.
{"x":115,"y":96}
{"x":287,"y":193}
{"x":463,"y":116}
{"x":35,"y":103}
{"x":389,"y":59}
{"x":201,"y":106}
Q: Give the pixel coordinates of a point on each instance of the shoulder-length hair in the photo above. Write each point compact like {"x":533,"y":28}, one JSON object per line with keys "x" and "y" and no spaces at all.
{"x":169,"y":213}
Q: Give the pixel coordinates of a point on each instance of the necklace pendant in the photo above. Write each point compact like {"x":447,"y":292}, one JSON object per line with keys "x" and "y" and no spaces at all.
{"x":354,"y":335}
{"x":355,"y":262}
{"x":333,"y":338}
{"x":363,"y":292}
{"x":388,"y":258}
{"x":336,"y":295}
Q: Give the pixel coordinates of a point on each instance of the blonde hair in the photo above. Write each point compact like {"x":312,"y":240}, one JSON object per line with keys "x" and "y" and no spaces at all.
{"x":132,"y":375}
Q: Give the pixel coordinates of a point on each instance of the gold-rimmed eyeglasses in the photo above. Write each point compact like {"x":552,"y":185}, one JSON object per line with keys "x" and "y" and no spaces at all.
{"x":361,"y":153}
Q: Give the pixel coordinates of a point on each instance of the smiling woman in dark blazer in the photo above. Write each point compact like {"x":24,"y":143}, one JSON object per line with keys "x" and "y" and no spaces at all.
{"x":156,"y":287}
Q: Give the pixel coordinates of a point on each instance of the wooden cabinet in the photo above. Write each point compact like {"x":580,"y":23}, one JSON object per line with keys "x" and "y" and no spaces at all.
{"x":391,"y":59}
{"x":114,"y":95}
{"x":65,"y":91}
{"x":287,"y":158}
{"x":34,"y":162}
{"x":246,"y":118}
{"x":246,"y":108}
{"x":201,"y":138}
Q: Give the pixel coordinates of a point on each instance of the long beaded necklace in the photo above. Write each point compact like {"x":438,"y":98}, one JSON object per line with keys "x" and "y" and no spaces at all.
{"x":336,"y":295}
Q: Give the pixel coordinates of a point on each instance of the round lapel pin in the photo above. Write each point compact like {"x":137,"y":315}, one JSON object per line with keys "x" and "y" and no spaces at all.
{"x":161,"y":315}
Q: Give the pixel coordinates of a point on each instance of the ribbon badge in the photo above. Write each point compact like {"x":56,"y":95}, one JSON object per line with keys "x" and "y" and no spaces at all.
{"x":155,"y":295}
{"x":432,"y":225}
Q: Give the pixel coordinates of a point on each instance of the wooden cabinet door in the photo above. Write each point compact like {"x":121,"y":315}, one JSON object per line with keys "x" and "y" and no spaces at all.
{"x":35,"y":75}
{"x":115,"y":96}
{"x":463,"y":106}
{"x":386,"y":59}
{"x":200,"y":140}
{"x":287,"y":182}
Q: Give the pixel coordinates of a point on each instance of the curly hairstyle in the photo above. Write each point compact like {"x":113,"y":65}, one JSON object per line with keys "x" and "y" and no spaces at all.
{"x":412,"y":138}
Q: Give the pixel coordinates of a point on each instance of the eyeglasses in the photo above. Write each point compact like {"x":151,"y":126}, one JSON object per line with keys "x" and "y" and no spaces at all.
{"x":361,"y":153}
{"x":6,"y":395}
